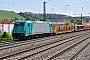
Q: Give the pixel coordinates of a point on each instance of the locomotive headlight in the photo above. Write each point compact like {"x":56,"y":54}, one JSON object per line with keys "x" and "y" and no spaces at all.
{"x":13,"y":31}
{"x":22,"y":32}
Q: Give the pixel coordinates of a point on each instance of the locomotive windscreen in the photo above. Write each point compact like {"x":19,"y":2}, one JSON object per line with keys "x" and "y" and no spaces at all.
{"x":18,"y":24}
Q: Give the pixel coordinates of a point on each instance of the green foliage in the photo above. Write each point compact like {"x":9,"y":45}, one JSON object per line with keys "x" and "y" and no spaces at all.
{"x":32,"y":45}
{"x":33,"y":16}
{"x":28,"y":15}
{"x":72,"y":20}
{"x":5,"y":36}
{"x":53,"y":28}
{"x":1,"y":35}
{"x":16,"y":18}
{"x":70,"y":27}
{"x":12,"y":16}
{"x":9,"y":16}
{"x":76,"y":21}
{"x":67,"y":23}
{"x":0,"y":31}
{"x":61,"y":28}
{"x":47,"y":20}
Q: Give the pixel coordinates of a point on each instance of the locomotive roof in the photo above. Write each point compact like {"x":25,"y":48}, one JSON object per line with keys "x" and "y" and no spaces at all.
{"x":39,"y":22}
{"x":31,"y":21}
{"x":22,"y":21}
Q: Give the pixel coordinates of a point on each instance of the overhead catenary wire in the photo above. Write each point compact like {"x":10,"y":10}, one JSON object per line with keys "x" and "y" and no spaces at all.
{"x":58,"y":4}
{"x":6,"y":9}
{"x":85,"y":4}
{"x":53,"y":5}
{"x":47,"y":3}
{"x":30,"y":3}
{"x":20,"y":5}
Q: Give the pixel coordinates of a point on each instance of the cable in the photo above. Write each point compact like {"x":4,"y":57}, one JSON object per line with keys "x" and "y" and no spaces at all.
{"x":29,"y":3}
{"x":6,"y":9}
{"x":85,"y":4}
{"x":20,"y":5}
{"x":55,"y":3}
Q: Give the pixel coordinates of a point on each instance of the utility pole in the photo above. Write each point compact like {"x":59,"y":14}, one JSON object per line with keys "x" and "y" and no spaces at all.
{"x":44,"y":10}
{"x":81,"y":18}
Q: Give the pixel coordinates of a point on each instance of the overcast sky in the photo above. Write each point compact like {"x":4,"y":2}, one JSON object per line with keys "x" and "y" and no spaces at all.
{"x":70,"y":7}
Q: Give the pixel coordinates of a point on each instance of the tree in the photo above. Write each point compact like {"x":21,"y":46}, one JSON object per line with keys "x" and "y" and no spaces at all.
{"x":76,"y":21}
{"x":72,"y":20}
{"x":12,"y":20}
{"x":5,"y":19}
{"x":20,"y":13}
{"x":47,"y":20}
{"x":67,"y":23}
{"x":27,"y":18}
{"x":5,"y":36}
{"x":16,"y":18}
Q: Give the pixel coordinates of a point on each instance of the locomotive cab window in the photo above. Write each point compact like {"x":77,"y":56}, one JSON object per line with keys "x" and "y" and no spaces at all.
{"x":18,"y":24}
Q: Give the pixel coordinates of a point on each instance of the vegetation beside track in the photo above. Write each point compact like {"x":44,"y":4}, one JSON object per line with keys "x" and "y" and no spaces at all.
{"x":5,"y":36}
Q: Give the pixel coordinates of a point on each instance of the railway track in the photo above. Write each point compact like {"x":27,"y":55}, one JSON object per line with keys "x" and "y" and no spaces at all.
{"x":40,"y":49}
{"x":83,"y":54}
{"x":2,"y":44}
{"x":72,"y":51}
{"x":5,"y":45}
{"x":44,"y":56}
{"x":72,"y":57}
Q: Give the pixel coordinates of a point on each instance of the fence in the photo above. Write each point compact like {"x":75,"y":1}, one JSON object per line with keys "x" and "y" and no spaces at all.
{"x":6,"y":26}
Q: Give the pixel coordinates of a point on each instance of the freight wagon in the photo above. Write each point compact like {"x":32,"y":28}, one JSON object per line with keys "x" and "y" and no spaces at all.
{"x":62,"y":28}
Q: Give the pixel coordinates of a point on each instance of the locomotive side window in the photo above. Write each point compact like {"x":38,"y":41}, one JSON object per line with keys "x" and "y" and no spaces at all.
{"x":51,"y":24}
{"x":28,"y":24}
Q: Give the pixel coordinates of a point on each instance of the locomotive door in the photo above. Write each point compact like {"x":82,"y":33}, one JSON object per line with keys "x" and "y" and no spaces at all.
{"x":28,"y":27}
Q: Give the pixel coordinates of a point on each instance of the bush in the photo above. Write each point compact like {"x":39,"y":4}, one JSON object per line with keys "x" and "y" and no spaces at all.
{"x":70,"y":27}
{"x":3,"y":39}
{"x":0,"y":35}
{"x":0,"y":31}
{"x":53,"y":28}
{"x":5,"y":36}
{"x":62,"y":28}
{"x":67,"y":23}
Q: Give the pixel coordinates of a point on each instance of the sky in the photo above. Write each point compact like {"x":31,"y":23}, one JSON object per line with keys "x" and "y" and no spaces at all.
{"x":67,"y":7}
